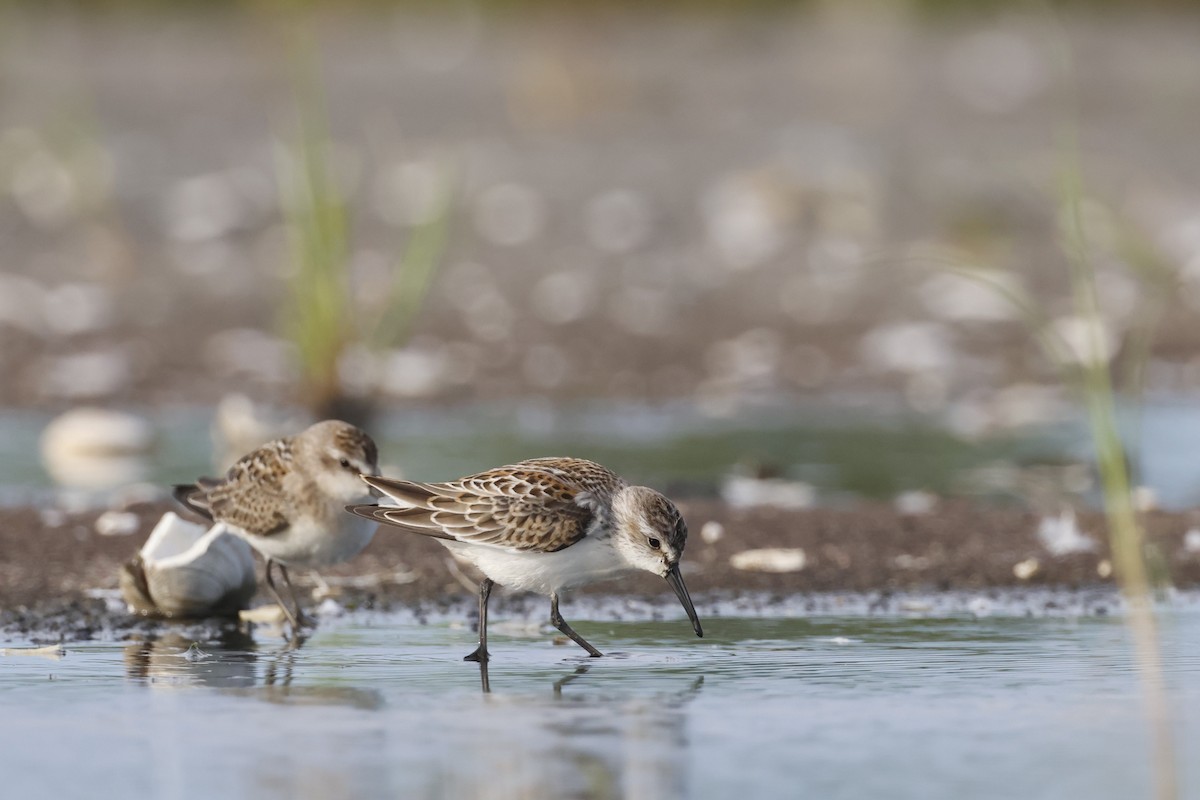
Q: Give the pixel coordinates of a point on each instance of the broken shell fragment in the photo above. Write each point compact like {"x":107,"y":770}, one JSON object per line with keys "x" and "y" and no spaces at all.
{"x":186,"y":571}
{"x":770,"y":559}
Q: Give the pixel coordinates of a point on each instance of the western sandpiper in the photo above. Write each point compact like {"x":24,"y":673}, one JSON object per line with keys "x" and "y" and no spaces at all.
{"x":286,"y":500}
{"x":543,"y":525}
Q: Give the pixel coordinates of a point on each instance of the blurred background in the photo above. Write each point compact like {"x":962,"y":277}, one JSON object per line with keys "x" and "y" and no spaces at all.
{"x":708,"y":243}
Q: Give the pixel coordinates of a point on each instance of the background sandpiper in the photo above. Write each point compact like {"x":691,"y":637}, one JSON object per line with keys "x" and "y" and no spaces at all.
{"x":286,"y":500}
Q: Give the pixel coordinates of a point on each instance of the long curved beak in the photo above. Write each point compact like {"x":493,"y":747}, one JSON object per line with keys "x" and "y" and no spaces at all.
{"x":676,"y":580}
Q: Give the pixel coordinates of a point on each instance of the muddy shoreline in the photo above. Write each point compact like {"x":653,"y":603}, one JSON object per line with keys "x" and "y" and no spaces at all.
{"x":59,"y":581}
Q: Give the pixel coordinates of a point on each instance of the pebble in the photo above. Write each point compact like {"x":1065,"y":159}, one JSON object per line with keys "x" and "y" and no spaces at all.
{"x":117,"y":523}
{"x":909,"y":347}
{"x":330,"y":608}
{"x":770,"y":559}
{"x":915,"y":502}
{"x":712,"y":531}
{"x":1061,"y":535}
{"x":907,"y":561}
{"x":980,"y":606}
{"x":269,"y":614}
{"x":1024,"y":570}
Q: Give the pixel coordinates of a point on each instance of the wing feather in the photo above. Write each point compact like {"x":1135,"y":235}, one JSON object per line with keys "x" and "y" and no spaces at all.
{"x":541,"y":505}
{"x":250,"y":496}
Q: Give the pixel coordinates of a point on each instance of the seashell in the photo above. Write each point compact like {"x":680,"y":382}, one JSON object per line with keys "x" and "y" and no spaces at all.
{"x":712,"y":532}
{"x":184,"y":570}
{"x":1061,"y":535}
{"x":267,"y":614}
{"x":117,"y":523}
{"x":94,"y":448}
{"x":1024,"y":570}
{"x":1191,"y":541}
{"x":770,"y":559}
{"x":54,"y":652}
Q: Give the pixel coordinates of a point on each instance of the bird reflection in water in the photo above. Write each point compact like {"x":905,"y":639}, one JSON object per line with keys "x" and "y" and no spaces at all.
{"x":485,"y":682}
{"x":601,"y":739}
{"x":231,"y":662}
{"x":174,"y":659}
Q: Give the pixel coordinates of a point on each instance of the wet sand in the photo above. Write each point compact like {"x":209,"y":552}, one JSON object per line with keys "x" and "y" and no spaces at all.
{"x":60,"y":582}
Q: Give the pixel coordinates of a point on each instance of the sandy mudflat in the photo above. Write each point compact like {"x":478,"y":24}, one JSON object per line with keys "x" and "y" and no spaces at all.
{"x":53,"y":580}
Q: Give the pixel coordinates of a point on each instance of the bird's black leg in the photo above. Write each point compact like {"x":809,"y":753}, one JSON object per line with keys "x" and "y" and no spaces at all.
{"x":481,"y":652}
{"x":557,"y":621}
{"x":287,"y":612}
{"x":304,"y":619}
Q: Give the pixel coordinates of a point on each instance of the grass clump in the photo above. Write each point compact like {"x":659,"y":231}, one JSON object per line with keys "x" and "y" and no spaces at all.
{"x":322,"y":314}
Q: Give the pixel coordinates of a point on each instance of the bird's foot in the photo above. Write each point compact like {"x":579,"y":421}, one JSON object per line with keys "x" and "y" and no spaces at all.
{"x":294,"y":642}
{"x":479,"y":656}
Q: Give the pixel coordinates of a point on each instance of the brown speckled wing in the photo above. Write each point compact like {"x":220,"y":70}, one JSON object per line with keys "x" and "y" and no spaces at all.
{"x":587,"y":476}
{"x":251,"y":495}
{"x":541,"y":505}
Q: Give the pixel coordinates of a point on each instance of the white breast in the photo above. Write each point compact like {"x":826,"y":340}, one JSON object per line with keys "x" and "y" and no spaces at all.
{"x":590,"y":560}
{"x":312,"y":542}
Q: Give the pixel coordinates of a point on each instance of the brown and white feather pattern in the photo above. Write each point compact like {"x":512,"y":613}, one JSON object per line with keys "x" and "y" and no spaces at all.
{"x":540,"y":505}
{"x":251,"y":496}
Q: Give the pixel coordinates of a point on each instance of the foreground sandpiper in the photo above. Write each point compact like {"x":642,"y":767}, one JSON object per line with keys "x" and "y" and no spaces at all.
{"x":543,"y":525}
{"x":286,"y":499}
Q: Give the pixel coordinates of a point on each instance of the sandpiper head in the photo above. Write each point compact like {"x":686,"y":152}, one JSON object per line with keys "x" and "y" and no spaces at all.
{"x":650,"y":535}
{"x":341,"y":453}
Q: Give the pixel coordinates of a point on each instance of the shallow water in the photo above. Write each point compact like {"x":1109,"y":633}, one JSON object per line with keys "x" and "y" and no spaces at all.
{"x":860,"y":448}
{"x":856,"y":450}
{"x":820,"y":707}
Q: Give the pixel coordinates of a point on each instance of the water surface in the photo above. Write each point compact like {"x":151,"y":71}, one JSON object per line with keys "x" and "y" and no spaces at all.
{"x":820,"y":707}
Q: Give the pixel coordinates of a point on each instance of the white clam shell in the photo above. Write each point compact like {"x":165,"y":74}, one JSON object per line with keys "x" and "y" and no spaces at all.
{"x":188,"y":571}
{"x":93,"y":448}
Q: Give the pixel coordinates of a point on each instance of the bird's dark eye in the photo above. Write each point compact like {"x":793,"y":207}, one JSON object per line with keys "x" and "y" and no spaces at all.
{"x":654,"y":543}
{"x":345,"y":462}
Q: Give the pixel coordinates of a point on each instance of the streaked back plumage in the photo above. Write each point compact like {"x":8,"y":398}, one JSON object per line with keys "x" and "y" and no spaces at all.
{"x":539,"y":505}
{"x":268,"y":488}
{"x":251,"y":496}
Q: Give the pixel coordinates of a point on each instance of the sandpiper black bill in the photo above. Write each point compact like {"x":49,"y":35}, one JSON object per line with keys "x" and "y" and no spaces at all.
{"x":674,"y":578}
